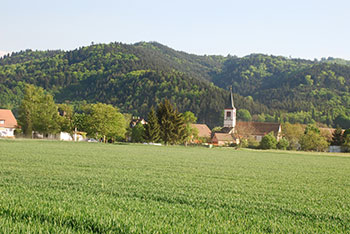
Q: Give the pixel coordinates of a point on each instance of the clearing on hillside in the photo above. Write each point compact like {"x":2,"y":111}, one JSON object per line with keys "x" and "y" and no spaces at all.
{"x":48,"y":186}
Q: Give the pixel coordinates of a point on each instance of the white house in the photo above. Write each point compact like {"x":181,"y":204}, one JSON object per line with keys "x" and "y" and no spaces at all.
{"x":8,"y":123}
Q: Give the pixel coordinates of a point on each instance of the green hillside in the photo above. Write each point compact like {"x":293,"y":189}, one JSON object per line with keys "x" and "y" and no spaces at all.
{"x":136,"y":76}
{"x":132,"y":77}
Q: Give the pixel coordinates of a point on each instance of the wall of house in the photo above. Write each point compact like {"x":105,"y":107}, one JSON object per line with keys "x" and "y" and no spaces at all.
{"x":7,"y":132}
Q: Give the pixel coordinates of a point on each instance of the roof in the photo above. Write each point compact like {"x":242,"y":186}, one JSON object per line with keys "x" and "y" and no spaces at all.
{"x":10,"y":120}
{"x":203,"y":130}
{"x":223,"y":137}
{"x":231,"y":104}
{"x":227,"y":130}
{"x":257,"y":128}
{"x":328,"y":130}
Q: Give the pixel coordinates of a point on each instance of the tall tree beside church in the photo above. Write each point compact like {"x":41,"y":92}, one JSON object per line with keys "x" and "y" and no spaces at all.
{"x":152,"y":128}
{"x":38,"y":112}
{"x":171,"y":121}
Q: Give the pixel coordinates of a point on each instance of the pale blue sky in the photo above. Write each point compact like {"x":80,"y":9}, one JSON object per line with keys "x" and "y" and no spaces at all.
{"x":299,"y":28}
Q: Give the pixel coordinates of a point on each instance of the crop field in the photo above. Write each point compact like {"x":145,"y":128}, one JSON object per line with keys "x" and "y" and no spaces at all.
{"x":69,"y":187}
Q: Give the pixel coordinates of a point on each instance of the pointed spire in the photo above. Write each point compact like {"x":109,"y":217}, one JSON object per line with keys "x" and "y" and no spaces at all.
{"x":232,"y":104}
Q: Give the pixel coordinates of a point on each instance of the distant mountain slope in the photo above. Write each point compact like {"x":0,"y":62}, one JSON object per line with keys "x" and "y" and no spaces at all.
{"x":137,"y":76}
{"x":132,"y":77}
{"x":289,"y":84}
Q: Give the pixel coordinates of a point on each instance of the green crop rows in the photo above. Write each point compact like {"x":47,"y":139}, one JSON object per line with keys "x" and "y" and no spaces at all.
{"x":69,"y":187}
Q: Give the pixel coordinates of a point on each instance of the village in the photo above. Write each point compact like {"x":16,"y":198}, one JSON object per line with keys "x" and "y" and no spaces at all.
{"x":234,"y":133}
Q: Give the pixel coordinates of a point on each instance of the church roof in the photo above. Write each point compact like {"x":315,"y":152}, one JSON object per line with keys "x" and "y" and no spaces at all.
{"x":257,"y":128}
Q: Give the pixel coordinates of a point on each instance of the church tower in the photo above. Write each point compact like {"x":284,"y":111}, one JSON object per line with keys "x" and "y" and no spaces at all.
{"x":230,"y":113}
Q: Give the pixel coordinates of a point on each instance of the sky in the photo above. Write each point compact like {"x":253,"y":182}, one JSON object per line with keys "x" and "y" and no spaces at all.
{"x":297,"y":28}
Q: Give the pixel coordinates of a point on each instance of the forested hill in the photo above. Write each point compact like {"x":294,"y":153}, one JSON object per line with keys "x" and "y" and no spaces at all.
{"x":131,"y":77}
{"x":136,"y":76}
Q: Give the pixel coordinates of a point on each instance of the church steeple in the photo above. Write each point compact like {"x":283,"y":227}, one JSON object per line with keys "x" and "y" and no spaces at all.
{"x":232,"y":104}
{"x":230,"y":113}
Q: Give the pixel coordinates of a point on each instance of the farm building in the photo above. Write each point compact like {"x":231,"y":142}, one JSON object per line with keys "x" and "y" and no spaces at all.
{"x":204,"y":133}
{"x":221,"y":139}
{"x":8,"y":123}
{"x":257,"y":130}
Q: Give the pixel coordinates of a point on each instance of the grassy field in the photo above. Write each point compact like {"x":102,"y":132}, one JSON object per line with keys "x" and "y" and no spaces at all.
{"x":72,"y":187}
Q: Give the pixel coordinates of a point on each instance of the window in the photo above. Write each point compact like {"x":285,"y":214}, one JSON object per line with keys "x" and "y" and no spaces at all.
{"x":2,"y":121}
{"x":228,"y":115}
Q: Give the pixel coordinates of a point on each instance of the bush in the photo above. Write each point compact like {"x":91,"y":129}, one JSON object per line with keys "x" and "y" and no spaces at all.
{"x":313,"y":141}
{"x":283,"y":144}
{"x":268,"y":142}
{"x":252,"y":143}
{"x":244,"y":143}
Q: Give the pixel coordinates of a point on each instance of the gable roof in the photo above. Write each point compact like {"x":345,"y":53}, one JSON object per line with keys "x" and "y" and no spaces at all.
{"x":203,"y":130}
{"x":228,"y":130}
{"x":223,"y":137}
{"x":10,"y":120}
{"x":257,"y":128}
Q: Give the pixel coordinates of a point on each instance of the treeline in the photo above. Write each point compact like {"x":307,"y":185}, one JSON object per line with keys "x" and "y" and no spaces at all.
{"x":135,"y":77}
{"x":302,"y":137}
{"x":38,"y":113}
{"x":294,"y":90}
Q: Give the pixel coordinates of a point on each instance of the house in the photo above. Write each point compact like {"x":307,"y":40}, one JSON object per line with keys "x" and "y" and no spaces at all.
{"x":204,"y":133}
{"x":257,"y":130}
{"x":137,"y":120}
{"x":62,"y":136}
{"x":8,"y":123}
{"x":221,"y":139}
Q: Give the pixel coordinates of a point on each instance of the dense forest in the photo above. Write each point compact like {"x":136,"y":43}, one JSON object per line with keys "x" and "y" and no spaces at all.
{"x":135,"y":77}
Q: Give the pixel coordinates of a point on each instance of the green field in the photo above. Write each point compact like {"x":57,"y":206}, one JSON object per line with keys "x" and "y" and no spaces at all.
{"x":64,"y":187}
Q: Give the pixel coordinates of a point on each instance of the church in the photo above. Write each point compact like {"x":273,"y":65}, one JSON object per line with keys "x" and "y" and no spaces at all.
{"x":233,"y":131}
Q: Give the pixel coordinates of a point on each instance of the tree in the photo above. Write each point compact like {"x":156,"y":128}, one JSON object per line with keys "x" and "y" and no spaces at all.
{"x":137,"y":133}
{"x":313,"y":141}
{"x":337,"y":137}
{"x":152,"y":128}
{"x":172,"y":124}
{"x":342,"y":121}
{"x":190,"y":132}
{"x":66,"y":118}
{"x":312,"y":128}
{"x":268,"y":142}
{"x":38,"y":112}
{"x":346,"y":144}
{"x":293,"y":133}
{"x":283,"y":144}
{"x":244,"y":115}
{"x":104,"y":121}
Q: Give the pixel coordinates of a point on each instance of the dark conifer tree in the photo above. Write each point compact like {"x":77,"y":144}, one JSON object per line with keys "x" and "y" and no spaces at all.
{"x":172,"y":124}
{"x":337,"y":137}
{"x":152,"y":128}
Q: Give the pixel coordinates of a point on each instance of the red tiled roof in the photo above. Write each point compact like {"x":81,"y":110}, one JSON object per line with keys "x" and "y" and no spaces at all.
{"x":223,"y":137}
{"x":257,"y":128}
{"x":203,"y":130}
{"x":8,"y":117}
